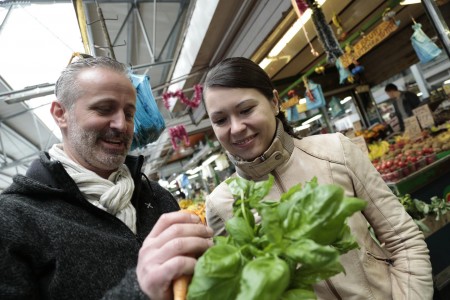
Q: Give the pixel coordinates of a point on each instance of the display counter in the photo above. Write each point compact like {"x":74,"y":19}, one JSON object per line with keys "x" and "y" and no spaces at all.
{"x":431,"y":180}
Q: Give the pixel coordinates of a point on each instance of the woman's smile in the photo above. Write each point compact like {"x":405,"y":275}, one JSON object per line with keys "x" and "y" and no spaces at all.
{"x":245,"y":142}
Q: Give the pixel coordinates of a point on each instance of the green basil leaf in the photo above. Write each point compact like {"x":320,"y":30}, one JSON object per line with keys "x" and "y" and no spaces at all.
{"x":345,"y":241}
{"x":305,"y":278}
{"x":260,"y":190}
{"x":299,"y":294}
{"x":271,"y":224}
{"x":238,"y":185}
{"x":218,"y":270}
{"x":264,"y":278}
{"x":311,"y":254}
{"x":240,"y":230}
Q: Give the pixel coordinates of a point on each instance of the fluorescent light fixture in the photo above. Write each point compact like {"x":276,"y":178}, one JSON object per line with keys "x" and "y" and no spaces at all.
{"x":173,"y":184}
{"x":419,"y":94}
{"x":193,"y":176}
{"x":194,"y":171}
{"x":346,"y":99}
{"x":407,"y":2}
{"x":447,"y":81}
{"x":289,"y":35}
{"x":316,"y":117}
{"x":306,"y":126}
{"x":264,"y":63}
{"x":210,"y":159}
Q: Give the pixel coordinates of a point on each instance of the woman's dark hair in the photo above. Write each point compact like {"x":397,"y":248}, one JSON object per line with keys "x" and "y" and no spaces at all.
{"x":241,"y":72}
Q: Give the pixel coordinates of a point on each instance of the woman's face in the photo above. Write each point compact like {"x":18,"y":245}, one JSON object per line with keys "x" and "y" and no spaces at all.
{"x":243,"y":119}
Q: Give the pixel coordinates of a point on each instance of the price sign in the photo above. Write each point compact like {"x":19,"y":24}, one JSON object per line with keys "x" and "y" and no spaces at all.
{"x":357,"y":126}
{"x":350,"y":134}
{"x":412,"y":127}
{"x":361,"y":143}
{"x":424,"y":115}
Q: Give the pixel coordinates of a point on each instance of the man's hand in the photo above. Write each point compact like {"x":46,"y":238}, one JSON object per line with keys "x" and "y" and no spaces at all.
{"x":169,"y":251}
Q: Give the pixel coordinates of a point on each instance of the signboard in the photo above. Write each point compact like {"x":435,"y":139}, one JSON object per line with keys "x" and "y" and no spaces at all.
{"x":412,"y":127}
{"x":361,"y":143}
{"x":370,"y":40}
{"x":362,"y":89}
{"x":357,"y":126}
{"x":291,"y":102}
{"x":424,"y":116}
{"x":350,"y":133}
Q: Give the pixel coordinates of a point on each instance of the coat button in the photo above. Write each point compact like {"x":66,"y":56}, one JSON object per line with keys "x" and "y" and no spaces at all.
{"x":278,"y":156}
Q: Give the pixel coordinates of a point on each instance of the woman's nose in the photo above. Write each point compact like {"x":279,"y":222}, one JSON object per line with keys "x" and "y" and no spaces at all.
{"x":237,"y":125}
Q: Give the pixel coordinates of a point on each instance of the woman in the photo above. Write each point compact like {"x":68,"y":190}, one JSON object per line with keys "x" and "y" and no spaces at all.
{"x":244,"y":110}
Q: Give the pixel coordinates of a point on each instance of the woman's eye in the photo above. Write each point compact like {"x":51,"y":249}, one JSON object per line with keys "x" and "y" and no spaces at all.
{"x":247,"y":110}
{"x":219,"y":121}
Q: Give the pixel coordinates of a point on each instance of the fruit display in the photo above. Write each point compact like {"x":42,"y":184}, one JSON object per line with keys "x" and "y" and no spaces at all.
{"x":376,"y":132}
{"x":402,"y":157}
{"x":378,"y":149}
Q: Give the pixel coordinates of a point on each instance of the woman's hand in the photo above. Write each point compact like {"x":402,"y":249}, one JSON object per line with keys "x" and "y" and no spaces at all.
{"x":169,"y":251}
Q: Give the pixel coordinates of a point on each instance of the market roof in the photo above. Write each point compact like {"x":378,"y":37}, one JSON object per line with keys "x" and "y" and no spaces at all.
{"x":174,"y":42}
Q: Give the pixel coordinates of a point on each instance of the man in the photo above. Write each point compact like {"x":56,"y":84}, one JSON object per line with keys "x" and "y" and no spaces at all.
{"x":404,"y":102}
{"x":82,"y":223}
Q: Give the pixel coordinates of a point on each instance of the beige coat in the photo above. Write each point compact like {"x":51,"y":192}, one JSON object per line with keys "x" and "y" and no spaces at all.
{"x":399,"y":269}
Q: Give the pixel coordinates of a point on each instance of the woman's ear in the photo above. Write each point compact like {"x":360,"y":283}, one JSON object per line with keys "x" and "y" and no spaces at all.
{"x":276,"y":100}
{"x":58,"y":112}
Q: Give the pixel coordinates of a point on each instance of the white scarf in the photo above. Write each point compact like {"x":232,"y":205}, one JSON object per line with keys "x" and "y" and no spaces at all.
{"x":112,"y":195}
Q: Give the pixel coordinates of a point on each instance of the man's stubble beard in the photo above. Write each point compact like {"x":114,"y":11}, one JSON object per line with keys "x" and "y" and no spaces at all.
{"x":84,"y":143}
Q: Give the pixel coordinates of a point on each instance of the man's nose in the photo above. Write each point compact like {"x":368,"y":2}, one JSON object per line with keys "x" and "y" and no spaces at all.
{"x":119,"y":121}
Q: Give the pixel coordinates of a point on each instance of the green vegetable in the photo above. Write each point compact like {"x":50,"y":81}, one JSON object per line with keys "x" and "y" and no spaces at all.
{"x":296,"y":245}
{"x":419,"y":209}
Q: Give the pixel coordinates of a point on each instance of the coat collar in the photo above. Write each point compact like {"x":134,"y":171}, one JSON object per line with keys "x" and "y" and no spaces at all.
{"x":278,"y":153}
{"x":44,"y":170}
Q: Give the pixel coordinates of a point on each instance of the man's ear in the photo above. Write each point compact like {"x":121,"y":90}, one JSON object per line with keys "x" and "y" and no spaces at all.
{"x":59,"y":114}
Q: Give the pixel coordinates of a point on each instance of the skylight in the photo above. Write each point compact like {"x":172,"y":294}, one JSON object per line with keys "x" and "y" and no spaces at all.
{"x":36,"y":43}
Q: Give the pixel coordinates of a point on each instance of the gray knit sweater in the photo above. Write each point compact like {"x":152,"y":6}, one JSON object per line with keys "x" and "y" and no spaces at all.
{"x":54,"y":244}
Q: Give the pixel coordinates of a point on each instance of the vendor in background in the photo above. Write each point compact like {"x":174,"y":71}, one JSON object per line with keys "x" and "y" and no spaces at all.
{"x":243,"y":106}
{"x":403,"y":101}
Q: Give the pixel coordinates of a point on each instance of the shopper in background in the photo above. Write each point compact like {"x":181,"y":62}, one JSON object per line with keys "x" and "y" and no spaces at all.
{"x":404,"y":102}
{"x":83,"y":223}
{"x":243,"y":106}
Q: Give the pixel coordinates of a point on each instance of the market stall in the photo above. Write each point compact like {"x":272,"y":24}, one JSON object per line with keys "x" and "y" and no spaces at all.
{"x":431,"y":180}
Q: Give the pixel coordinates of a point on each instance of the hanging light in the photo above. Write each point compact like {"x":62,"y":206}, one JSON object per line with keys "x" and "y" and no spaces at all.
{"x":408,"y":2}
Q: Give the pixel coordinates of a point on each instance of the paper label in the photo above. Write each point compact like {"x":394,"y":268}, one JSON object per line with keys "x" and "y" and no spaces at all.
{"x":412,"y":127}
{"x":357,"y":126}
{"x":424,"y":116}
